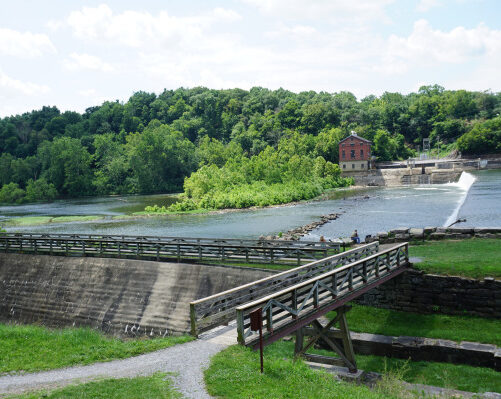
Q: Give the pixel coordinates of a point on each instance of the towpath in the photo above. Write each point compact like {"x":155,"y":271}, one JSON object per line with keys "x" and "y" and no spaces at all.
{"x":186,"y":361}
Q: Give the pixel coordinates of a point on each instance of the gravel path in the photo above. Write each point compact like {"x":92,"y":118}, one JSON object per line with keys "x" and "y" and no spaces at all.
{"x":187,"y":361}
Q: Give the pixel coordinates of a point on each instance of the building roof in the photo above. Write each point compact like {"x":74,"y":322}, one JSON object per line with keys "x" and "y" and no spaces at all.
{"x":353,"y":134}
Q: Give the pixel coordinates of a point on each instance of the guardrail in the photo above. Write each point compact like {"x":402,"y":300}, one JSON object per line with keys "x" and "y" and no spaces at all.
{"x":218,"y":309}
{"x":329,"y":245}
{"x":190,"y":249}
{"x":297,"y":305}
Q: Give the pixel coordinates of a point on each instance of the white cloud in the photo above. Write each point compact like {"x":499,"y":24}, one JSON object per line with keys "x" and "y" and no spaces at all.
{"x":140,"y":29}
{"x":86,"y":61}
{"x":349,"y":11}
{"x":427,"y":46}
{"x":11,"y":87}
{"x":24,"y":44}
{"x":426,"y":5}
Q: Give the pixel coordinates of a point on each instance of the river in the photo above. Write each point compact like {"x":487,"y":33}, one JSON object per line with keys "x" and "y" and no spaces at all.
{"x":476,"y":197}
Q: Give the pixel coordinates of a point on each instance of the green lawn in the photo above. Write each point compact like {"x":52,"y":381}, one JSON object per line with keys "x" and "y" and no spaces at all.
{"x":157,"y":386}
{"x":234,"y":373}
{"x":391,"y":322}
{"x":33,"y":348}
{"x":476,"y":258}
{"x":453,"y":376}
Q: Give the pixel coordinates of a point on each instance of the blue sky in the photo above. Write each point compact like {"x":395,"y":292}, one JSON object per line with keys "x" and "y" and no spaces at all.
{"x":76,"y":54}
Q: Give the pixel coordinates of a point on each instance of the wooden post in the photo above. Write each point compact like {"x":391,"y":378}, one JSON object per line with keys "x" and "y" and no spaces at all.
{"x":193,"y":319}
{"x":346,"y":338}
{"x":299,"y":341}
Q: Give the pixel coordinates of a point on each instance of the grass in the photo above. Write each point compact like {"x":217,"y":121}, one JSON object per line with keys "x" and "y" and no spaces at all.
{"x":157,"y":386}
{"x":34,"y":348}
{"x":446,"y":375}
{"x":234,"y":373}
{"x":452,"y":376}
{"x":28,"y":221}
{"x":475,"y":258}
{"x":38,"y":220}
{"x":391,"y":322}
{"x":76,"y":218}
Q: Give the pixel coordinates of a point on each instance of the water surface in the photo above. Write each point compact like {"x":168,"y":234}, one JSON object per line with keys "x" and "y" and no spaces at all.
{"x":477,"y":197}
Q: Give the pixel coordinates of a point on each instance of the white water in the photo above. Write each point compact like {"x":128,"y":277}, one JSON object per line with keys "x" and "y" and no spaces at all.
{"x":465,"y":182}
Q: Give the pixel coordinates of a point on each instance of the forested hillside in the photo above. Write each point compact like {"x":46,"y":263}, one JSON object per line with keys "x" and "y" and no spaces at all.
{"x":241,"y":141}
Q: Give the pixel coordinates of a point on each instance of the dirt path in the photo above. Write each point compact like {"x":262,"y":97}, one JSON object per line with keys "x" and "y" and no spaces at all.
{"x":186,"y":361}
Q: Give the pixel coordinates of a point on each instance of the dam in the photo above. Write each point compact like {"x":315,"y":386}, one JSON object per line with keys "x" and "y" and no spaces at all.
{"x":123,"y":297}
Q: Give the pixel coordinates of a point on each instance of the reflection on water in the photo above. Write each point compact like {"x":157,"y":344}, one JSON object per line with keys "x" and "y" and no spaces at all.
{"x":368,"y":211}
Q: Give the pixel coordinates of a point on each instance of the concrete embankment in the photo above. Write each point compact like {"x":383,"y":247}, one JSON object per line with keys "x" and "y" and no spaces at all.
{"x":119,"y":296}
{"x":421,"y":172}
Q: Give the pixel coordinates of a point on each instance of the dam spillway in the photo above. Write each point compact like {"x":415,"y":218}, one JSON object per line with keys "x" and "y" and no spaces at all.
{"x":117,"y":296}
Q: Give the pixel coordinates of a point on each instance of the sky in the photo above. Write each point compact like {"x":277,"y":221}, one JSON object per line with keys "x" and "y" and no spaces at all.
{"x":77,"y":54}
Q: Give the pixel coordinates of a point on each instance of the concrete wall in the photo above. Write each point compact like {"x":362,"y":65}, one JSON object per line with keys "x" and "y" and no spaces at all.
{"x":402,"y":176}
{"x":347,"y":166}
{"x":119,"y":296}
{"x":417,"y":292}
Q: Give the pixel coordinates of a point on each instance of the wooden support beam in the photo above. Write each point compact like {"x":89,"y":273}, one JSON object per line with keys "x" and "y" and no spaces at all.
{"x":345,"y":353}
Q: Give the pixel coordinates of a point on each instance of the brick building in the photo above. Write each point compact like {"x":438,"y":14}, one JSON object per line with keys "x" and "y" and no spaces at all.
{"x":354,"y":153}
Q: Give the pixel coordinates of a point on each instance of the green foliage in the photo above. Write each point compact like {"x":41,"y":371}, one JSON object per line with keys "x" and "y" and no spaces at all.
{"x":151,"y":143}
{"x":157,"y":386}
{"x":269,"y":178}
{"x":483,"y":138}
{"x":11,"y":193}
{"x":40,"y":190}
{"x":160,"y":157}
{"x":33,"y":348}
{"x":66,"y":164}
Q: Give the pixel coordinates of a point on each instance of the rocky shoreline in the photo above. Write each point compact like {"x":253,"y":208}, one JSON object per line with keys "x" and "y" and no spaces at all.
{"x":298,"y":232}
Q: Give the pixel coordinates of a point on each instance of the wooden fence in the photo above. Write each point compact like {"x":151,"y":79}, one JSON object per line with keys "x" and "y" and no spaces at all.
{"x":217,"y":309}
{"x":164,"y":248}
{"x":297,"y":305}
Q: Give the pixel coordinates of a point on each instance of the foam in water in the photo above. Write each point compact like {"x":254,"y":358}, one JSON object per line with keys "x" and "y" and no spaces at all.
{"x":465,"y":182}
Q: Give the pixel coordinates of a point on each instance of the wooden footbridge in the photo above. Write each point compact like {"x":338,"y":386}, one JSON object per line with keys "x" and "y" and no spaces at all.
{"x":293,"y":300}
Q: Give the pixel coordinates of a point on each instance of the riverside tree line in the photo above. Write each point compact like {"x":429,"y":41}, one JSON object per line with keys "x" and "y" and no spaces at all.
{"x":229,"y":148}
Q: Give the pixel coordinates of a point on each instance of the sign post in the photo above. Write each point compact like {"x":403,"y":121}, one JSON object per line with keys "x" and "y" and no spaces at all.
{"x":256,"y":321}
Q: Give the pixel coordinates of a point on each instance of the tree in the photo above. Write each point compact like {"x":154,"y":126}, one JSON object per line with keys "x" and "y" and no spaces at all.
{"x":66,"y":164}
{"x":40,"y":190}
{"x":11,"y":193}
{"x":160,"y":158}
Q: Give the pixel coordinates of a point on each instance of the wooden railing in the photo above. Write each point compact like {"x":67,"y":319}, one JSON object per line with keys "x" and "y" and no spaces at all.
{"x":297,"y":305}
{"x":329,"y":245}
{"x":163,"y":248}
{"x":217,"y":309}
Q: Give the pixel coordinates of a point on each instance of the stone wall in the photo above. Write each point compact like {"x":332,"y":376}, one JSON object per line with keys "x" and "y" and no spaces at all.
{"x":119,"y":296}
{"x":403,"y":234}
{"x":415,"y":291}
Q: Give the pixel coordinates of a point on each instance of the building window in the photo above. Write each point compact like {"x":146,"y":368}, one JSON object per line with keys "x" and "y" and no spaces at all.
{"x":353,"y":166}
{"x":344,"y":166}
{"x":362,"y":166}
{"x":352,"y":154}
{"x":344,"y":155}
{"x":362,"y":153}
